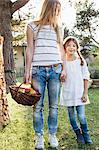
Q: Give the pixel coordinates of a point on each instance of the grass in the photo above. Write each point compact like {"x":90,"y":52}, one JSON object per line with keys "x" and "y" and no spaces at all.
{"x":19,"y":133}
{"x":95,"y":64}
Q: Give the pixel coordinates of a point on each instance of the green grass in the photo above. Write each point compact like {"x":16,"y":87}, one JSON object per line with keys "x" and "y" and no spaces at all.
{"x":95,"y":64}
{"x":19,"y":133}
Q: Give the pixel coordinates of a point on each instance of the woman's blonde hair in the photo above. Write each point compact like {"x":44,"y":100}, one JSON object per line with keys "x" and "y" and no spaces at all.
{"x":48,"y":15}
{"x":71,"y":38}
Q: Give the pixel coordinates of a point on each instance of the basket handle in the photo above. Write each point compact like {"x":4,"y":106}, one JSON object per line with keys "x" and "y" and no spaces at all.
{"x":20,"y":86}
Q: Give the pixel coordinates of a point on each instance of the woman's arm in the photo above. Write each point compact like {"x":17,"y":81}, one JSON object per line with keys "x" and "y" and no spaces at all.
{"x":63,"y":73}
{"x":29,"y":54}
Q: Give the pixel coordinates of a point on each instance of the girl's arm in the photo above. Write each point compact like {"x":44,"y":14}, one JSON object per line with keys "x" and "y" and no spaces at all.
{"x":84,"y":97}
{"x":29,"y":54}
{"x":85,"y":86}
{"x":86,"y":76}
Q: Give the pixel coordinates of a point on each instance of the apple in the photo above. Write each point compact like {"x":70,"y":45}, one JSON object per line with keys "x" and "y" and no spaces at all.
{"x":22,"y":90}
{"x":32,"y":91}
{"x":27,"y":90}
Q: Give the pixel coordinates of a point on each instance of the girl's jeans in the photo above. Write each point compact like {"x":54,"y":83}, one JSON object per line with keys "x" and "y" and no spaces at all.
{"x":81,"y":117}
{"x":43,"y":77}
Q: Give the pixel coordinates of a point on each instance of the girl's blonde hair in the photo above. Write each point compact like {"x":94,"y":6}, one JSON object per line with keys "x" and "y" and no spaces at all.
{"x":71,"y":38}
{"x":48,"y":15}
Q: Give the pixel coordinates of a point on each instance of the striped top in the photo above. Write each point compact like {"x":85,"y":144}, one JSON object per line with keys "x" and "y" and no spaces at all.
{"x":46,"y":49}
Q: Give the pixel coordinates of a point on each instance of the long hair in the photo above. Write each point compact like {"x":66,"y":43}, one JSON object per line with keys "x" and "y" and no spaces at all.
{"x":49,"y":16}
{"x":71,"y":38}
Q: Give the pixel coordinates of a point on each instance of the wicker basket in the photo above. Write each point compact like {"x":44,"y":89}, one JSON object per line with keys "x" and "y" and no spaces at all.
{"x":24,"y":98}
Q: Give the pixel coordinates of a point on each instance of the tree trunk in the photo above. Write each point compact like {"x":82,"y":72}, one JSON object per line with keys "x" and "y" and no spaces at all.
{"x":4,"y":111}
{"x":5,"y":28}
{"x":7,"y":8}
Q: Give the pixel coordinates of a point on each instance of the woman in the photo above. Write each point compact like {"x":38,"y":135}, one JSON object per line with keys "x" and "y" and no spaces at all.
{"x":46,"y":56}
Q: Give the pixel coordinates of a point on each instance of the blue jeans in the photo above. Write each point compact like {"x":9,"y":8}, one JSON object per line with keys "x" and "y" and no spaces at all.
{"x":80,"y":114}
{"x":43,"y":77}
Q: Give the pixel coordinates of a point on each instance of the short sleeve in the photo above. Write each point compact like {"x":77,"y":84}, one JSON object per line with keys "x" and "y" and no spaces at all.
{"x":85,"y":71}
{"x":31,"y":26}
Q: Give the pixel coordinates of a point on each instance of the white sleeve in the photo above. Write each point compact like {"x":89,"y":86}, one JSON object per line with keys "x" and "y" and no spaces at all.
{"x":85,"y":71}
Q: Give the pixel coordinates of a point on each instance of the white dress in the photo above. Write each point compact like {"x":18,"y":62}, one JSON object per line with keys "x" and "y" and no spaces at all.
{"x":72,"y":89}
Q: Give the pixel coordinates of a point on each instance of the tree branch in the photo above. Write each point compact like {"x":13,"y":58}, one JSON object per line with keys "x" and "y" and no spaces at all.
{"x":95,"y":41}
{"x":92,"y":36}
{"x":17,"y":5}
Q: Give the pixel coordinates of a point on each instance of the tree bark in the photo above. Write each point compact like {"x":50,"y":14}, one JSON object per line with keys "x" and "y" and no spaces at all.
{"x":5,"y":28}
{"x":18,"y":4}
{"x":7,"y":8}
{"x":4,"y":109}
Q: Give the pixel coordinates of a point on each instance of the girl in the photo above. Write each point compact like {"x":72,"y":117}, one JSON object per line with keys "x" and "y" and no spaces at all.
{"x":45,"y":54}
{"x":75,"y":89}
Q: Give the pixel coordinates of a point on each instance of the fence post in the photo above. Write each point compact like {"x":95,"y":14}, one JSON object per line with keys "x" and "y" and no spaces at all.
{"x":4,"y":111}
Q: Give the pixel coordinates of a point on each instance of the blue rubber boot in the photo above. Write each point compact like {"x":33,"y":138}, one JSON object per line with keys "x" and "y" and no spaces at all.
{"x":85,"y":133}
{"x":80,"y":138}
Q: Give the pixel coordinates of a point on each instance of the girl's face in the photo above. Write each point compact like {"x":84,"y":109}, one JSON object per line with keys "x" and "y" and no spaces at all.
{"x":70,"y":47}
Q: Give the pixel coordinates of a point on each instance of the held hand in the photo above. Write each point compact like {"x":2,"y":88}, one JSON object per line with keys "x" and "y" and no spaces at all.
{"x":84,"y":98}
{"x":63,"y":76}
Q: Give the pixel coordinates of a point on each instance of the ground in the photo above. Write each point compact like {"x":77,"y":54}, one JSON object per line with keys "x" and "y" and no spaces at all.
{"x":19,"y":133}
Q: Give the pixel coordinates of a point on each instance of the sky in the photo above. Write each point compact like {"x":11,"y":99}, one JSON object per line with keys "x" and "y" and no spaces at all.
{"x":68,"y":12}
{"x":69,"y":20}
